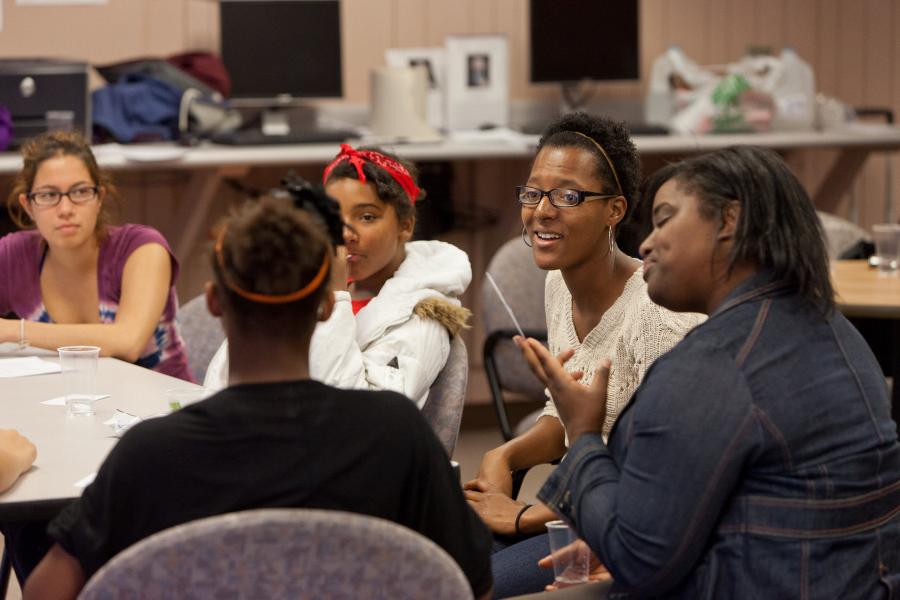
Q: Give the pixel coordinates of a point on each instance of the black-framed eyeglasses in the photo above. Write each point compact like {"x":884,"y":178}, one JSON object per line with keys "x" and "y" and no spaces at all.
{"x":50,"y":198}
{"x":560,"y":198}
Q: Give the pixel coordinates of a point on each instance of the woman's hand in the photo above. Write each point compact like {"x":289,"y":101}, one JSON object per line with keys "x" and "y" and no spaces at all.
{"x":339,"y":269}
{"x":596,"y":570}
{"x":494,"y":474}
{"x":17,"y":454}
{"x":497,"y":510}
{"x":582,"y":409}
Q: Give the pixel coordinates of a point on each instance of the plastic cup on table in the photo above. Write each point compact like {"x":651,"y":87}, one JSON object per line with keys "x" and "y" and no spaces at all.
{"x":571,"y":557}
{"x":79,"y":375}
{"x":887,"y":247}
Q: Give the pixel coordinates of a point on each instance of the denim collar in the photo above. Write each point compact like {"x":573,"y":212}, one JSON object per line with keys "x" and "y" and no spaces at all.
{"x":759,"y":285}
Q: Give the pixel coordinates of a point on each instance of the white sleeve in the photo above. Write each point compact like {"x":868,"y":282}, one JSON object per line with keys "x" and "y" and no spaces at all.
{"x":549,"y":406}
{"x":406,"y":359}
{"x":217,"y":372}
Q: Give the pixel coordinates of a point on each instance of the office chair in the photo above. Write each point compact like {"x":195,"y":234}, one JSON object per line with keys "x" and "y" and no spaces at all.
{"x":447,"y":396}
{"x":282,"y":553}
{"x":522,"y":285}
{"x":202,"y":334}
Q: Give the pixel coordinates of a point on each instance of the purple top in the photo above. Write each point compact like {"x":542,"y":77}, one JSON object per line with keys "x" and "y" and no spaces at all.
{"x":21,"y":260}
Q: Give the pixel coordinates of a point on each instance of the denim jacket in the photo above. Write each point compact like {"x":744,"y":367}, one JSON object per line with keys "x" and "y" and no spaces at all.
{"x":758,"y":459}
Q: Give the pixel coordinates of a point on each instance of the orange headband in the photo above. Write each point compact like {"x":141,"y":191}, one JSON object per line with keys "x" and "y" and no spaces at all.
{"x":605,"y":155}
{"x":303,"y":292}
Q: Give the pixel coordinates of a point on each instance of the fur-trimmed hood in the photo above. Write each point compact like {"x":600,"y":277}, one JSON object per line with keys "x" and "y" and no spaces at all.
{"x":452,"y":316}
{"x":434,"y":274}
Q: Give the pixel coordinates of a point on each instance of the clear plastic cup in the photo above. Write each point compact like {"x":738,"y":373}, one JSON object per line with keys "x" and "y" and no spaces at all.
{"x":79,"y":376}
{"x":571,"y":556}
{"x":887,"y":246}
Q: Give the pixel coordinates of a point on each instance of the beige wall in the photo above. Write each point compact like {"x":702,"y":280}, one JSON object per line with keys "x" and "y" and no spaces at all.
{"x":851,"y":44}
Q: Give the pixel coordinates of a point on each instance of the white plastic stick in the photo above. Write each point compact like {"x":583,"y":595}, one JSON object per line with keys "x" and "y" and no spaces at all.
{"x":505,"y":303}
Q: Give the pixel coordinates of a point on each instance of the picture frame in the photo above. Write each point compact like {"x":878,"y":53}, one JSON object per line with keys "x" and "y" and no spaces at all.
{"x":432,"y":60}
{"x":477,"y":82}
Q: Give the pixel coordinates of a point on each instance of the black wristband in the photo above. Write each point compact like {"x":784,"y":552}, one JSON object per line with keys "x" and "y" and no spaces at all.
{"x":519,"y":518}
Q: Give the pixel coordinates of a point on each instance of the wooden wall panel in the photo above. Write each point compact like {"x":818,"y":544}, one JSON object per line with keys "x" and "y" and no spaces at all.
{"x":447,"y":18}
{"x":742,"y":28}
{"x":684,"y":17}
{"x":771,"y":24}
{"x":800,"y":23}
{"x":408,"y":27}
{"x":366,"y":34}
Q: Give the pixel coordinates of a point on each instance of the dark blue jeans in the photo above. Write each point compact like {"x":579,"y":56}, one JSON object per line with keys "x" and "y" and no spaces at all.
{"x":515,"y":567}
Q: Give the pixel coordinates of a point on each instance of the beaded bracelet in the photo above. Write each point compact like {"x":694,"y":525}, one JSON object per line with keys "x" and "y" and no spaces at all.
{"x":519,"y":517}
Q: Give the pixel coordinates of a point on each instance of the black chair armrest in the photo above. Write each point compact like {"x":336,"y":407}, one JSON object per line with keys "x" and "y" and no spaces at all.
{"x":493,"y":376}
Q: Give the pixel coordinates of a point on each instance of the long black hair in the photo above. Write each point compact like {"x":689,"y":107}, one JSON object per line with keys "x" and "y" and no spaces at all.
{"x":777,"y":229}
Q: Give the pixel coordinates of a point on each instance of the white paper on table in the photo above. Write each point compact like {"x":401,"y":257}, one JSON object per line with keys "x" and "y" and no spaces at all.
{"x":122,"y":421}
{"x":61,"y":400}
{"x":24,"y":366}
{"x":85,"y":481}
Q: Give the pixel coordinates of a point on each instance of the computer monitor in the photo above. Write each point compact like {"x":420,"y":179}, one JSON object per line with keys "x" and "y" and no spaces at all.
{"x":578,"y":40}
{"x":280,"y":52}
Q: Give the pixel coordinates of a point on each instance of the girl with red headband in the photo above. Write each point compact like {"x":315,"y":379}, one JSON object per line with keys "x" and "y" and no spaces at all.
{"x":396,"y":301}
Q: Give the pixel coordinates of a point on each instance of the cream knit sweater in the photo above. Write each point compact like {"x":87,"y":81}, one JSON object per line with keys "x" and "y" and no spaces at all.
{"x":632,"y":333}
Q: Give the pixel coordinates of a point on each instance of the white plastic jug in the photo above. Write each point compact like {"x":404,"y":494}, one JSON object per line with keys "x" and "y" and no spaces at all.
{"x":794,"y":92}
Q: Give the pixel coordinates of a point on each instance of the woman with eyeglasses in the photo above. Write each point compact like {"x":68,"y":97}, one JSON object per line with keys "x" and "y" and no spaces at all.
{"x":758,"y":458}
{"x":582,"y":187}
{"x":71,"y":278}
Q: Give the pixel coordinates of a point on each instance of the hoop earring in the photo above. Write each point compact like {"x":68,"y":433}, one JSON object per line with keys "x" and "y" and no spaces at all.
{"x":525,"y":237}
{"x":610,"y":236}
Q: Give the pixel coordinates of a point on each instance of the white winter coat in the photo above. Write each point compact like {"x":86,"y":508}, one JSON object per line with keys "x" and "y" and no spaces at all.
{"x":397,"y":341}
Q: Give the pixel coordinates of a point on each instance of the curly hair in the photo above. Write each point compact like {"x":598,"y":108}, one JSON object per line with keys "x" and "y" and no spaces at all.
{"x":269,"y":247}
{"x":613,"y":137}
{"x":386,"y":187}
{"x":51,"y":145}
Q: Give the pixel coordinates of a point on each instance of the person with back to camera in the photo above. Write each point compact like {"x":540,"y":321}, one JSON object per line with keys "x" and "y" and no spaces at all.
{"x":274,"y":437}
{"x":392,"y":323}
{"x":75,"y":280}
{"x":758,"y":458}
{"x":582,"y":186}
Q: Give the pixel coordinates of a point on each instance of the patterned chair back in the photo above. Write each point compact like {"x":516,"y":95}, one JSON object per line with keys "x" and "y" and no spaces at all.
{"x":443,"y":409}
{"x":282,"y":553}
{"x":202,"y":334}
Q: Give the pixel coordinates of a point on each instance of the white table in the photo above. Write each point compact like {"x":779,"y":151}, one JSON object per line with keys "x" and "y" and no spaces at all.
{"x":71,"y":448}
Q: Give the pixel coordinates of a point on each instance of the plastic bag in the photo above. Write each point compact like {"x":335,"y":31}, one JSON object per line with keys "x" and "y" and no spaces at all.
{"x":757,"y":93}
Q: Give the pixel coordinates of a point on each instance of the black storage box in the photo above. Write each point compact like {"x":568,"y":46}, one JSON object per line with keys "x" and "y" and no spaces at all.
{"x":43,"y":94}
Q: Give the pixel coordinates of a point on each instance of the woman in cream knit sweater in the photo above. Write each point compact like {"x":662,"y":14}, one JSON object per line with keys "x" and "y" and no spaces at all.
{"x":582,"y":185}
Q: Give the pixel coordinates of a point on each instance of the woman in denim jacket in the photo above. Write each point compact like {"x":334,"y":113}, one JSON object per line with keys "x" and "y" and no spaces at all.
{"x":758,"y":458}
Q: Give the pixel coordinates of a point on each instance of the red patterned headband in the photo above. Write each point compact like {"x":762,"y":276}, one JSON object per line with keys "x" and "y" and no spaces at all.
{"x":358,"y":158}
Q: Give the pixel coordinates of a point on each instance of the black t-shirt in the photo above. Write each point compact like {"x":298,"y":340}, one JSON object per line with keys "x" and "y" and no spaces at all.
{"x":289,"y":444}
